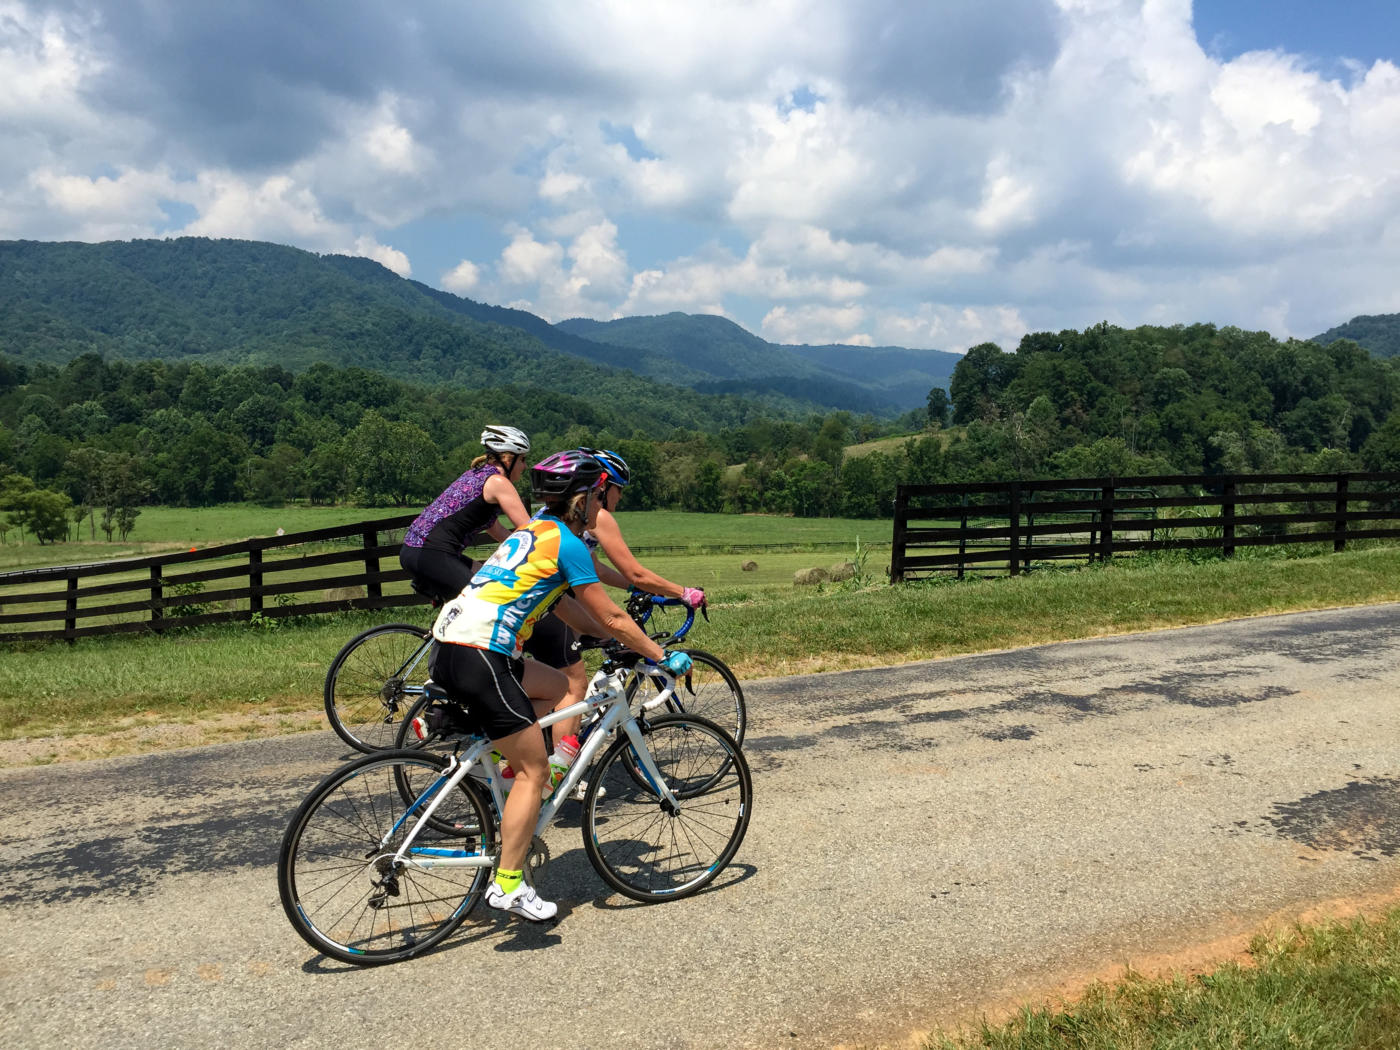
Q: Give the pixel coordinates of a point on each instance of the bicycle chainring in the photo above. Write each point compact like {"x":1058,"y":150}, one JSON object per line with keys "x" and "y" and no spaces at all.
{"x":536,"y":860}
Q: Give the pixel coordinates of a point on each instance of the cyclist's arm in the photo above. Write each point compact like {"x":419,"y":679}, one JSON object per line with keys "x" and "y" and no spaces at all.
{"x":609,"y":575}
{"x":609,"y":537}
{"x":616,"y":622}
{"x":574,"y":614}
{"x":500,"y":491}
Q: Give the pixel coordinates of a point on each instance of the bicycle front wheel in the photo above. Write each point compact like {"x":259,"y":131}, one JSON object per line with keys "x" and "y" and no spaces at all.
{"x":336,"y":875}
{"x":373,"y":681}
{"x":710,"y":691}
{"x":643,"y":846}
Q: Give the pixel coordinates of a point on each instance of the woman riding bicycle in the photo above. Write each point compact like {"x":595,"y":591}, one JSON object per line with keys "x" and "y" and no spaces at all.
{"x":482,"y":631}
{"x":608,"y":535}
{"x":465,"y":512}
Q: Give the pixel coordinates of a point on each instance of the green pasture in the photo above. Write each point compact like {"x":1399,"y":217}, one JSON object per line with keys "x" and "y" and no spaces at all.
{"x":261,"y":674}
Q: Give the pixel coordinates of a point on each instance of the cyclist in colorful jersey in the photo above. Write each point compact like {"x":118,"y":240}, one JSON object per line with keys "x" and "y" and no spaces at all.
{"x":482,"y":631}
{"x":467,"y":511}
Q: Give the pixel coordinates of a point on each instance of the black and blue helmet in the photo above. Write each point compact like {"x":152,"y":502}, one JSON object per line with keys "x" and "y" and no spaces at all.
{"x":614,"y":466}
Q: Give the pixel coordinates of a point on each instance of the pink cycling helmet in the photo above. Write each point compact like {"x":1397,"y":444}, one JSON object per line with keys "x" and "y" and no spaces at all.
{"x":563,"y":474}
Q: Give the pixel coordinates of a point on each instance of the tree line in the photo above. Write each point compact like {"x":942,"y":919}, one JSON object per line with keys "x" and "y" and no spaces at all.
{"x":93,"y":440}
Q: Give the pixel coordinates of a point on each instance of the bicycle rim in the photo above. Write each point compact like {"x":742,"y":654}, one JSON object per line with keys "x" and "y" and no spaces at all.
{"x":710,"y":691}
{"x":335,"y":875}
{"x":373,"y":681}
{"x":636,"y":843}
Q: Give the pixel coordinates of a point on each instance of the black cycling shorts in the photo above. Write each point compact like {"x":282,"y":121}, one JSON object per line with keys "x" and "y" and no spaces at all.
{"x":442,"y":575}
{"x":553,"y":642}
{"x":488,"y":685}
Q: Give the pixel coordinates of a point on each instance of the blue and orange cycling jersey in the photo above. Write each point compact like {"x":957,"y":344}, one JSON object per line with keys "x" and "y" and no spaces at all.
{"x":518,"y":584}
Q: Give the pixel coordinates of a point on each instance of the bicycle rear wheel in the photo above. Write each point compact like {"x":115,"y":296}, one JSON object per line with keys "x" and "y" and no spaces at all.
{"x":710,"y":691}
{"x":640,"y":845}
{"x":373,"y":680}
{"x":335,"y":873}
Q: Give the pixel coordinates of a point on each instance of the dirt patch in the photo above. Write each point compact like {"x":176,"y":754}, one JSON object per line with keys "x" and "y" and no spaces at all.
{"x":1189,"y":960}
{"x":137,"y":737}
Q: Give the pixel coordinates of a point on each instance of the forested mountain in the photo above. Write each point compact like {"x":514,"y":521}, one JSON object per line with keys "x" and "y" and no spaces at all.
{"x":1378,"y":333}
{"x":249,"y":302}
{"x":715,"y":355}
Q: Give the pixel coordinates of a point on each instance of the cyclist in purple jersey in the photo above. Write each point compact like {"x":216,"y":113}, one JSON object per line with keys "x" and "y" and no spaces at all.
{"x":465,"y":512}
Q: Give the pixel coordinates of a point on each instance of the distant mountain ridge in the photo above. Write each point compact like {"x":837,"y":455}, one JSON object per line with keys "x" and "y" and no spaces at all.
{"x":732,"y":360}
{"x":252,"y":302}
{"x":1378,"y":333}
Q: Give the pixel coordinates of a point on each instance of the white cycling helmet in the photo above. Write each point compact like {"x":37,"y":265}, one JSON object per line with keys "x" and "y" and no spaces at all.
{"x":505,"y":439}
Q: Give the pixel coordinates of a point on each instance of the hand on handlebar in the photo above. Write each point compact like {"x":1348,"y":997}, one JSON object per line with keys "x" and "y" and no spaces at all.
{"x":693,"y":597}
{"x":676,"y":662}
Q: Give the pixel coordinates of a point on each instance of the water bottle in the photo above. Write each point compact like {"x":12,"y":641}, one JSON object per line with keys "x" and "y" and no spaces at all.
{"x":560,"y":761}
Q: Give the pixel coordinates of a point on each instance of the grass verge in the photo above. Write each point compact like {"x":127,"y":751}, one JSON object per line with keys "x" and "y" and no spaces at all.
{"x":1331,"y":986}
{"x":104,"y":687}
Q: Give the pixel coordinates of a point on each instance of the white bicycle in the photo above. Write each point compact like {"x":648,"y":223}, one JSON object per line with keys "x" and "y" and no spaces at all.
{"x":390,"y":853}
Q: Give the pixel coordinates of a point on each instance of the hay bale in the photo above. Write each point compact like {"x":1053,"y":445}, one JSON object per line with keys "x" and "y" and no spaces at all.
{"x":749,"y":566}
{"x":342,"y":594}
{"x":809,"y":577}
{"x":842,"y":570}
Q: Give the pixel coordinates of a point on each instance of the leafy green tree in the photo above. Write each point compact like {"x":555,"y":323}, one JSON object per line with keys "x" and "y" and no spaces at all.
{"x":1253,"y":450}
{"x":978,"y":381}
{"x":939,"y":405}
{"x":42,"y":513}
{"x":708,"y":495}
{"x":395,"y":461}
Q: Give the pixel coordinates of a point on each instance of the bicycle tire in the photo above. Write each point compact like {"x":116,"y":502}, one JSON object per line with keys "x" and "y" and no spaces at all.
{"x":370,"y":681}
{"x":333,"y":872}
{"x":716,"y":694}
{"x":635,"y":844}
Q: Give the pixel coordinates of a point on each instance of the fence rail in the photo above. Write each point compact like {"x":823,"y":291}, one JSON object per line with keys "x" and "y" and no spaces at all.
{"x":1007,"y":527}
{"x":297,"y":574}
{"x":271,"y":577}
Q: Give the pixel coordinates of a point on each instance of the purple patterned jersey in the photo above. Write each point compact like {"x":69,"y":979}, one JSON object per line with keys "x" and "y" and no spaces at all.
{"x":454,"y":520}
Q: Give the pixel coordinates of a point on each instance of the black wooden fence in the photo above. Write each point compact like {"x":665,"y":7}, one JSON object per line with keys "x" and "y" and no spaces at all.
{"x":1007,"y":527}
{"x":268,"y":577}
{"x":352,"y":566}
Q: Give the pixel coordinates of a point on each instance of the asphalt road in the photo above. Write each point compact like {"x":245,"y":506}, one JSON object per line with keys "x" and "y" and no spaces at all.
{"x":926,"y":839}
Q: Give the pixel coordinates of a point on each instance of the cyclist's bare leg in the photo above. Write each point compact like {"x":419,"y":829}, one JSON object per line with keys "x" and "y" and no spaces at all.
{"x":577,"y":675}
{"x":577,"y":617}
{"x":526,"y":754}
{"x":547,"y":687}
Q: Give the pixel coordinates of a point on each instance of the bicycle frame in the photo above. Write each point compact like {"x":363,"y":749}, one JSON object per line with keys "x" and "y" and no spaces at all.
{"x":610,"y":695}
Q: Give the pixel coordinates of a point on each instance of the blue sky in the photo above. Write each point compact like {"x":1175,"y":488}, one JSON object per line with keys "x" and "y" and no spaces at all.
{"x":927,"y":173}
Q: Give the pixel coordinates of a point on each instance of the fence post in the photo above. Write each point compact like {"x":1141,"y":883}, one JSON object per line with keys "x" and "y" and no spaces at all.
{"x":1227,"y":512}
{"x":1339,"y":543}
{"x":1030,"y":525}
{"x":70,"y":614}
{"x":901,"y":513}
{"x":372,"y":586}
{"x":1106,"y":521}
{"x":157,"y":599}
{"x":1014,"y":554}
{"x":962,"y":538}
{"x":255,"y":581}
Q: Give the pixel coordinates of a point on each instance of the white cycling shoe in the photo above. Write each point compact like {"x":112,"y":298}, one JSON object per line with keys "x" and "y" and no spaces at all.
{"x":522,"y":901}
